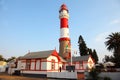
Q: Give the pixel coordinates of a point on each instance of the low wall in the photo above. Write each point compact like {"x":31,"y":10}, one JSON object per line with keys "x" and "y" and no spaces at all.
{"x":112,"y":75}
{"x":62,"y":75}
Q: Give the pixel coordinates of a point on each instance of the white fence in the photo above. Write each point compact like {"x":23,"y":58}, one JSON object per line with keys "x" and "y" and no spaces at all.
{"x":64,"y":75}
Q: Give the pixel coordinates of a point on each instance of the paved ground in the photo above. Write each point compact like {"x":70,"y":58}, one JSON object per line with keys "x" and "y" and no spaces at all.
{"x":5,"y":76}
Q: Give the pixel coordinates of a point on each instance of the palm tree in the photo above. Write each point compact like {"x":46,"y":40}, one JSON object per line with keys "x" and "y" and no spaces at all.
{"x":113,"y":44}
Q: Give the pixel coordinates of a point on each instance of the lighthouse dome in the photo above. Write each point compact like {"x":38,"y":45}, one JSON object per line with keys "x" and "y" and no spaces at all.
{"x":63,"y":7}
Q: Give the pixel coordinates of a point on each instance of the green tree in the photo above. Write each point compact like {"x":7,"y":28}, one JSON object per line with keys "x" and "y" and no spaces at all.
{"x":82,"y":46}
{"x":94,"y":74}
{"x":113,"y":44}
{"x":95,"y":56}
{"x":86,"y":51}
{"x":11,"y":58}
{"x":90,"y":51}
{"x":1,"y":58}
{"x":108,"y":58}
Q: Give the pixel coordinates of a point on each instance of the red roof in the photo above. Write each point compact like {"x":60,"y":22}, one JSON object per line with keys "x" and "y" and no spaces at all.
{"x":63,"y":7}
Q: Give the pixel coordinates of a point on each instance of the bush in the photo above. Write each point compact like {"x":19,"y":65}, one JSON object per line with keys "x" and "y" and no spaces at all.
{"x":94,"y":74}
{"x":106,"y":78}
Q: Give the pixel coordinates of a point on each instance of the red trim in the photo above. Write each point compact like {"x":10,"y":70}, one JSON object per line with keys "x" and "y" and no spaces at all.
{"x":40,"y":64}
{"x":85,"y":61}
{"x":46,"y":61}
{"x":40,"y":70}
{"x":80,"y":69}
{"x":64,"y":39}
{"x":58,"y":65}
{"x":56,"y":55}
{"x":35,"y":65}
{"x":23,"y":61}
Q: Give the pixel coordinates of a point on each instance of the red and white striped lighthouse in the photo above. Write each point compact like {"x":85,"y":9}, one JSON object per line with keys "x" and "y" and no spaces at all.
{"x":64,"y":47}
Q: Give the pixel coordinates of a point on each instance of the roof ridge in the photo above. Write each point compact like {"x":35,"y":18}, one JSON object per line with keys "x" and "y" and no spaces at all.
{"x":39,"y":54}
{"x":81,"y":56}
{"x":41,"y":51}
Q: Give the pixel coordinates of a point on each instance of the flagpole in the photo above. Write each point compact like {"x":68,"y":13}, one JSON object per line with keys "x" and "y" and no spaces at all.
{"x":71,"y":57}
{"x":70,"y":53}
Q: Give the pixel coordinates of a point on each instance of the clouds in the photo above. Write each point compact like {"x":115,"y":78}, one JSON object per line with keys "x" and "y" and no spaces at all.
{"x":113,"y":27}
{"x":115,"y":21}
{"x":101,"y":37}
{"x":99,"y":45}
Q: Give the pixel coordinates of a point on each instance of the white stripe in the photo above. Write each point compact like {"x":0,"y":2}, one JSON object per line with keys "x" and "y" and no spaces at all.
{"x":64,"y":32}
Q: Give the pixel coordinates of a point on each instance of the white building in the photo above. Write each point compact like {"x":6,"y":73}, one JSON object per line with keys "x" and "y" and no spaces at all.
{"x":39,"y":63}
{"x":82,"y":63}
{"x":3,"y":66}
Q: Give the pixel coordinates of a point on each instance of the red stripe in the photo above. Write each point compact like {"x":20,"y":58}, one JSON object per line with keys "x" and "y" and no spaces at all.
{"x":64,"y":23}
{"x":64,"y":39}
{"x":40,"y":70}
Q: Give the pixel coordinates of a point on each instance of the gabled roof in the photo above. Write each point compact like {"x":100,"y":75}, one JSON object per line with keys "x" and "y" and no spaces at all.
{"x":80,"y":58}
{"x":62,"y":60}
{"x":40,"y":54}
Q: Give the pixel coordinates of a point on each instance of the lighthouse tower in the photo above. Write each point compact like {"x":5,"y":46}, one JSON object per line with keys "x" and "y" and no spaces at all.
{"x":64,"y":40}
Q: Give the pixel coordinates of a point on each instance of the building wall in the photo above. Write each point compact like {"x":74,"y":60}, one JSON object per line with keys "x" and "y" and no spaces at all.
{"x":81,"y":66}
{"x":21,"y":64}
{"x":77,"y":65}
{"x":49,"y":63}
{"x":52,"y":57}
{"x":41,"y":65}
{"x":46,"y":65}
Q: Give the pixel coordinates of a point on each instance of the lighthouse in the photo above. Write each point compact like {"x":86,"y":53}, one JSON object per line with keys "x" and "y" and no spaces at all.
{"x":64,"y":40}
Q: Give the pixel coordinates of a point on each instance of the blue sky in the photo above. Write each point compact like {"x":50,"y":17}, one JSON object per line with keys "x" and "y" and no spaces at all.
{"x":34,"y":24}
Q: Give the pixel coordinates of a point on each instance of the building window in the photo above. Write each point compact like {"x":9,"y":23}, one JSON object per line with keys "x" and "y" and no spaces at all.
{"x":81,"y":65}
{"x":52,"y":64}
{"x":37,"y":64}
{"x":28,"y":64}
